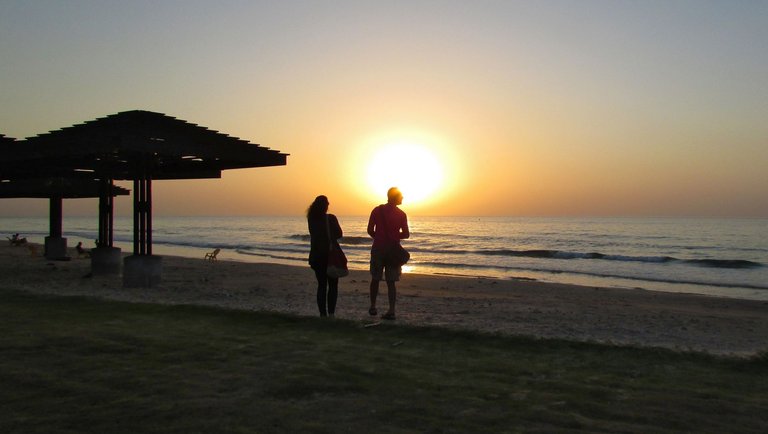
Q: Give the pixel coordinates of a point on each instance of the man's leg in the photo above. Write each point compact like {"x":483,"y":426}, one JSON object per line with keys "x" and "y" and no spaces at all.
{"x":392,"y":296}
{"x":374,"y":293}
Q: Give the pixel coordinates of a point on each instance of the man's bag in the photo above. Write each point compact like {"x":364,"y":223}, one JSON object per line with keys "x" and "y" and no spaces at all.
{"x":397,"y":256}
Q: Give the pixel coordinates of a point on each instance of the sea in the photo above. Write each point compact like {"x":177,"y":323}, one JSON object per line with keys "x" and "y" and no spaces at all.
{"x":718,"y":257}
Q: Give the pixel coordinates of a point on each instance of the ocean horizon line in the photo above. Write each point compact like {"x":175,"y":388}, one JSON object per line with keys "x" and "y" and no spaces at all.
{"x":416,"y":215}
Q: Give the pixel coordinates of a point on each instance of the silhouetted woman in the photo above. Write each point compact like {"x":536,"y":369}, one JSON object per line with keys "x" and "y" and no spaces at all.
{"x":324,"y":229}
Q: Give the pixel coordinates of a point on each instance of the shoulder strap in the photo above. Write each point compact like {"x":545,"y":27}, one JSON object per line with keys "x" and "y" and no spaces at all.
{"x":382,"y":213}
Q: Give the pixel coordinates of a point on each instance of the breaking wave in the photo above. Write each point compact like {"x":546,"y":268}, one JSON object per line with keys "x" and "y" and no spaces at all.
{"x":557,"y":254}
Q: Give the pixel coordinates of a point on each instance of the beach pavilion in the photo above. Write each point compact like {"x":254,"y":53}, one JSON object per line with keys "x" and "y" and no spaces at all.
{"x":139,"y":146}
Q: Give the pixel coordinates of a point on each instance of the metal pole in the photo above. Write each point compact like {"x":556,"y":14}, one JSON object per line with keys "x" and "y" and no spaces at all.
{"x":111,"y":214}
{"x":136,"y":215}
{"x":149,"y":214}
{"x":143,"y":216}
{"x":103,"y":209}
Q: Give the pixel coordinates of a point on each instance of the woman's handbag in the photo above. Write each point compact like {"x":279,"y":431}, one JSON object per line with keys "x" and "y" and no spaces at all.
{"x":337,"y":260}
{"x":337,"y":263}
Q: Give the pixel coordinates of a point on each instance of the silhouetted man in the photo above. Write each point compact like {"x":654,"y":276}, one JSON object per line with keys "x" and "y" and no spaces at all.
{"x":387,"y":225}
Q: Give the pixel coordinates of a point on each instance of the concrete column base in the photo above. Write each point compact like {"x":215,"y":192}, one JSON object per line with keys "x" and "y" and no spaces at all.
{"x":106,"y":260}
{"x":56,"y":249}
{"x":142,"y":271}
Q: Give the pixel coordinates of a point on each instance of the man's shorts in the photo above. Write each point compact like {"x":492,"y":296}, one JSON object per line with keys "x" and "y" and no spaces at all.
{"x":379,"y":269}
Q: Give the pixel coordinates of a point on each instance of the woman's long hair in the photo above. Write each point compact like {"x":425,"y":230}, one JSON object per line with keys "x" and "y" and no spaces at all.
{"x":318,"y":208}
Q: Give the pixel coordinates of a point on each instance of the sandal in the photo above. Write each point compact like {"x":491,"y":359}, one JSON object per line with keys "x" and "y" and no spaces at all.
{"x":388,"y":315}
{"x":372,"y":311}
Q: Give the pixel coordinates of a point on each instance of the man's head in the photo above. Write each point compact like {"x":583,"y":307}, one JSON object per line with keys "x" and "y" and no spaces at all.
{"x":394,"y":196}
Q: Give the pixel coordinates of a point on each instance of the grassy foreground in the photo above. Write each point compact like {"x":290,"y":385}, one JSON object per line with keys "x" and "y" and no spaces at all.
{"x":86,"y":366}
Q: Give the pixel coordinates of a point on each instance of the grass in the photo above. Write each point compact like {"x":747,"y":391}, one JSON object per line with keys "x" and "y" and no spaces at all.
{"x":81,"y":365}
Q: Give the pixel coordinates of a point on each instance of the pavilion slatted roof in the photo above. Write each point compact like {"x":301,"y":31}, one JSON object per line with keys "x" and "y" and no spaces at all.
{"x":126,"y":145}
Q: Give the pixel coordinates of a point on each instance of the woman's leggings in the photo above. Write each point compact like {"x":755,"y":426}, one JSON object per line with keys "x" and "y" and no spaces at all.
{"x":326,"y":297}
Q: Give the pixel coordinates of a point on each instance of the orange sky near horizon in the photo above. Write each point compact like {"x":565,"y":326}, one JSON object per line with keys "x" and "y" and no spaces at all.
{"x":519,"y":108}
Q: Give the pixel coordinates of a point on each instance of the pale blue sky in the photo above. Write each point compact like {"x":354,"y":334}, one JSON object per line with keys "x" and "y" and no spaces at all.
{"x":542,"y":107}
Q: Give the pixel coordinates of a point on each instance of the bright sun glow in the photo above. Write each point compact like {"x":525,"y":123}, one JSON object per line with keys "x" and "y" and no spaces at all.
{"x":412,"y":168}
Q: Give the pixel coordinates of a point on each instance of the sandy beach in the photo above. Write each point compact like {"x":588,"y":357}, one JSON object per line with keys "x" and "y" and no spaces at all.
{"x":516,"y":307}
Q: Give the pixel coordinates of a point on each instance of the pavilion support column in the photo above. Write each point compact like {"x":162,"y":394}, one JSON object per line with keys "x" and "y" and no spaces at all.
{"x":142,"y":216}
{"x":142,"y":269}
{"x":55,"y":244}
{"x":105,"y":258}
{"x":106,"y":213}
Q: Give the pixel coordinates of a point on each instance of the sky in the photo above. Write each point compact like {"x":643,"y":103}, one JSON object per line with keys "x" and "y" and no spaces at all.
{"x":482,"y":108}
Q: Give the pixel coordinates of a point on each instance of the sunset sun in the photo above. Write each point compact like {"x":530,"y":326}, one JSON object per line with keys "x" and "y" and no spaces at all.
{"x":413,"y":168}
